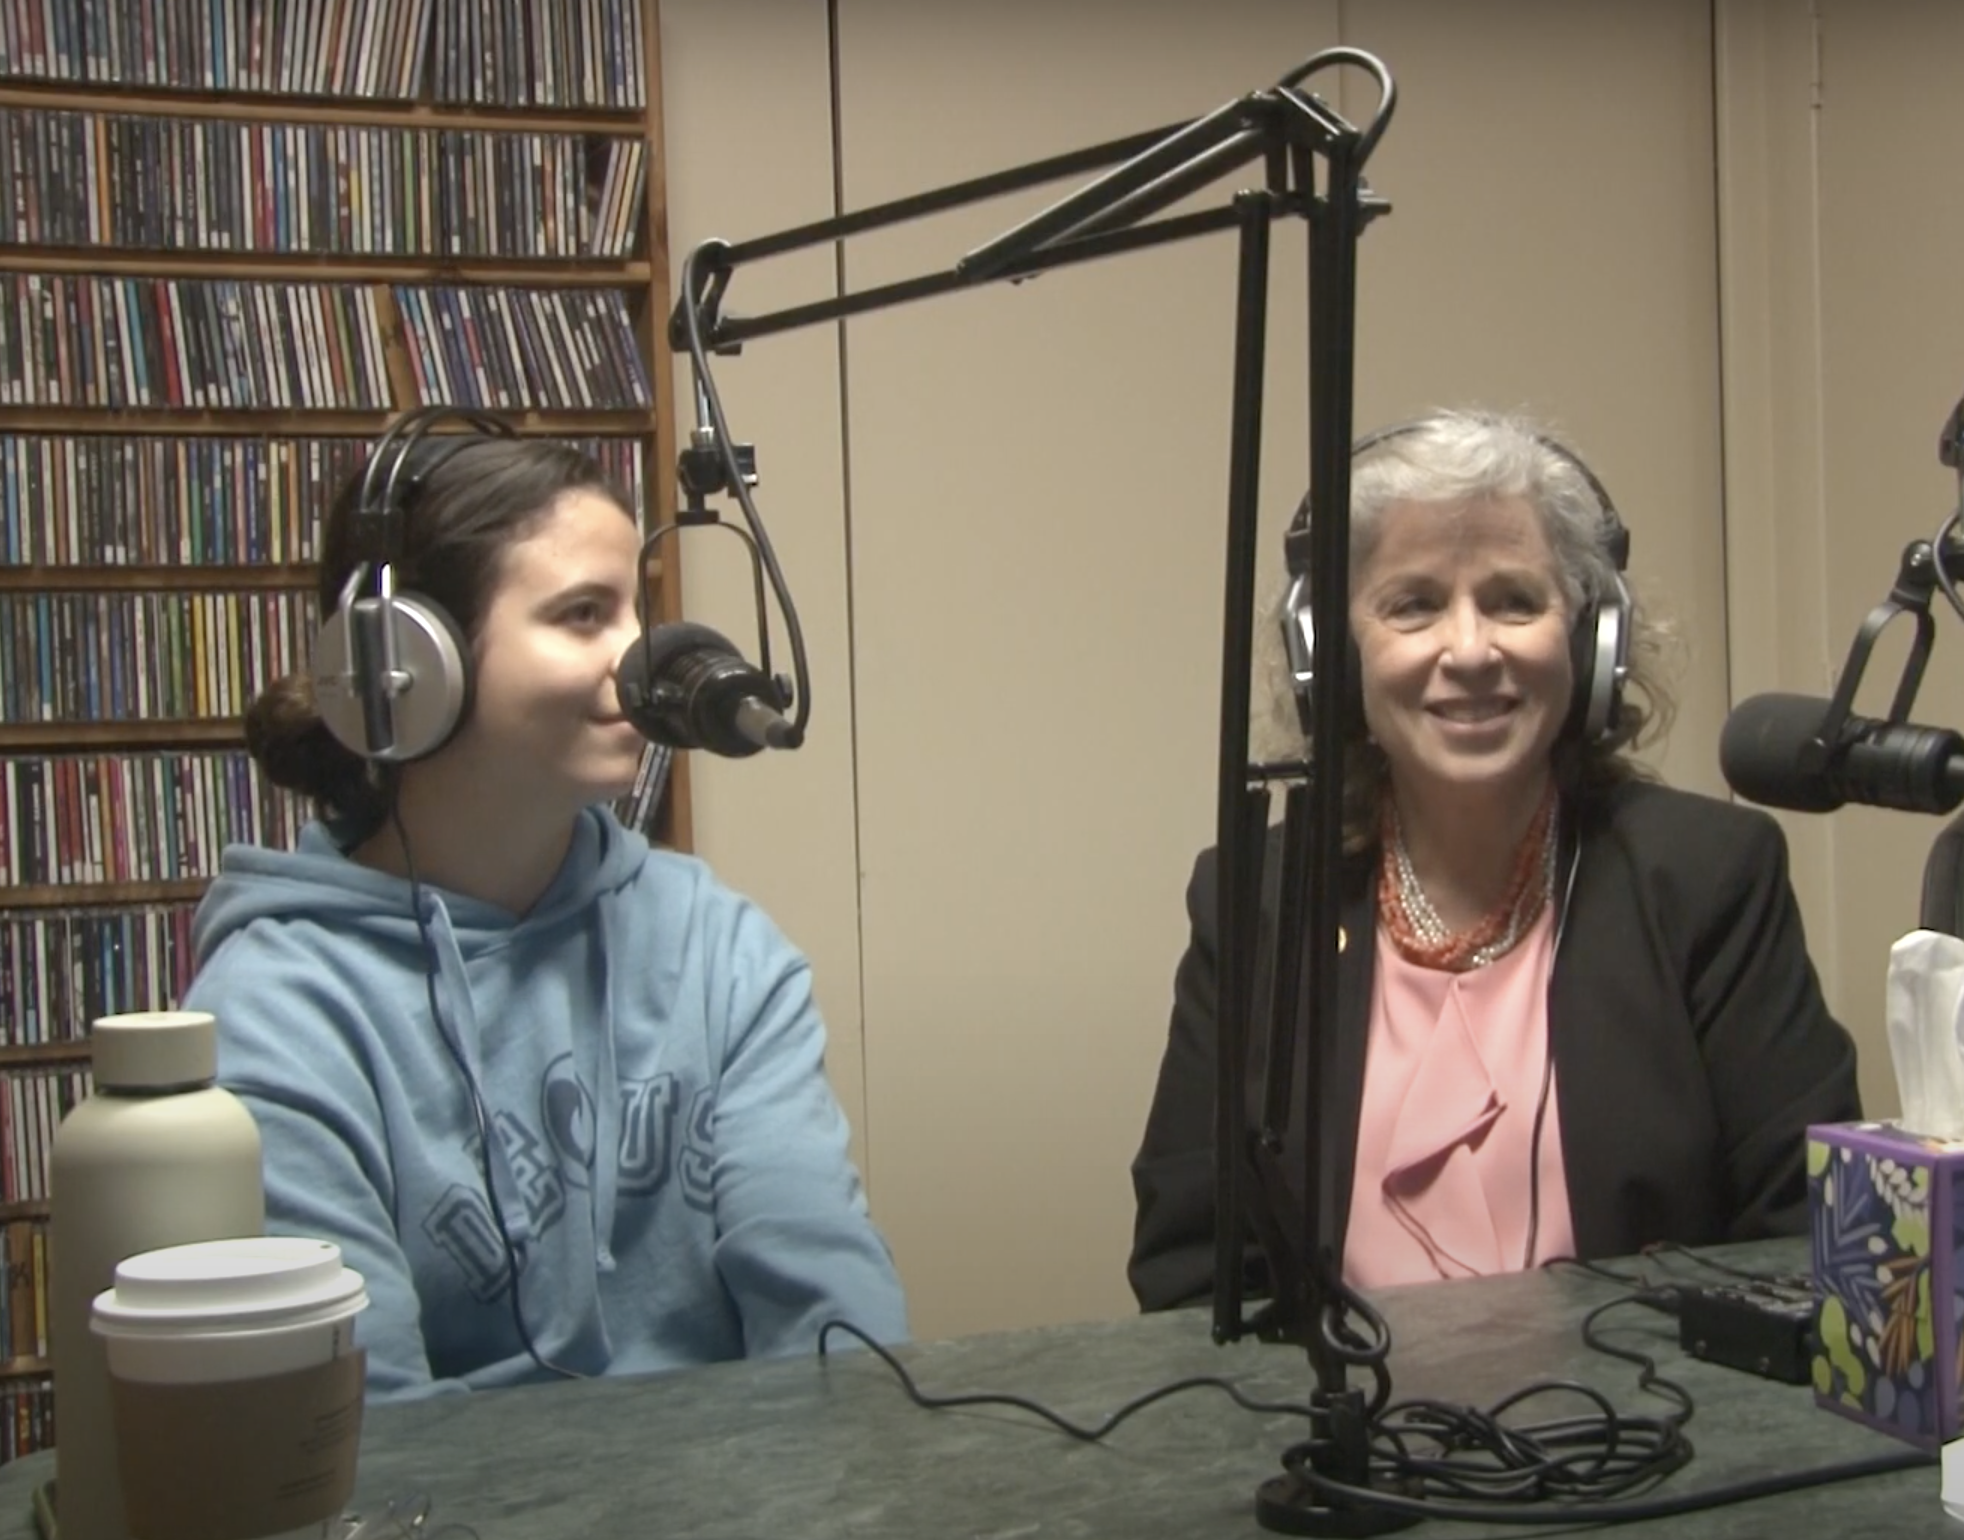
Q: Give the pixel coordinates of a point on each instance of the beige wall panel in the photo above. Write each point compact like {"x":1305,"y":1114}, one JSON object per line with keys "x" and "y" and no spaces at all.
{"x":1779,"y":634}
{"x":1037,"y":483}
{"x":747,"y":110}
{"x":1893,"y":365}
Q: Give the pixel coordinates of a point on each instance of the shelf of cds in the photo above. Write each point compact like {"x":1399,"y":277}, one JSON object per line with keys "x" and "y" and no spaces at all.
{"x":235,"y":240}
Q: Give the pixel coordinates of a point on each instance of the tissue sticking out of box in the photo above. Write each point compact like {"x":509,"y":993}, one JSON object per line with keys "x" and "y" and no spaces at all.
{"x":1926,"y":1031}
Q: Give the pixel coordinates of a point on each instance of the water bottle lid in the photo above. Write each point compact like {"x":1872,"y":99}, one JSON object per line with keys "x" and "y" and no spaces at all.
{"x":154,"y":1050}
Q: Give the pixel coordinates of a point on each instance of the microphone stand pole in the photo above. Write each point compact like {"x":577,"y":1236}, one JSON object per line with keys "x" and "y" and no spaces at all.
{"x":1312,"y":162}
{"x":1296,"y":1223}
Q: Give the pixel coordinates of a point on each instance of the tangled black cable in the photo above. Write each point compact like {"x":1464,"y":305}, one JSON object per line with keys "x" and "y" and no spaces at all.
{"x":1436,"y":1459}
{"x":1461,"y":1461}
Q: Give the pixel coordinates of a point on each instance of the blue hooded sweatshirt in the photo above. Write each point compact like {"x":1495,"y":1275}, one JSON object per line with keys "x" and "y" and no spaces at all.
{"x":669,"y":1160}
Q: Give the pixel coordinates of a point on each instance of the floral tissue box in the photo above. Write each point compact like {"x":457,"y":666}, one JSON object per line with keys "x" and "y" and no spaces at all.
{"x":1888,"y":1223}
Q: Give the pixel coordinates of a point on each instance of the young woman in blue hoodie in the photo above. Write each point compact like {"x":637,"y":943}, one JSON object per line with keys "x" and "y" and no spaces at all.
{"x":558,"y":1096}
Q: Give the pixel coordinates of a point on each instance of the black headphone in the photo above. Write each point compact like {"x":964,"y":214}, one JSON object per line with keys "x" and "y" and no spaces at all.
{"x":1599,"y":639}
{"x":392,"y":671}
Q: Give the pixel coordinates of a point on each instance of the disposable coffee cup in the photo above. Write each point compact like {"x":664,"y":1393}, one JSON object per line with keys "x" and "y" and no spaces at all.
{"x":236,"y":1386}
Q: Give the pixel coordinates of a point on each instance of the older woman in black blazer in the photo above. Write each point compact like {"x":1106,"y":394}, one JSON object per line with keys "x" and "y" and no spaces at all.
{"x":1576,"y":1011}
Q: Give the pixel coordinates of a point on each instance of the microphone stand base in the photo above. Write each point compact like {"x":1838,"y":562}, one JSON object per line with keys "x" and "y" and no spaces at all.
{"x":1340,"y":1451}
{"x":1288,"y":1505}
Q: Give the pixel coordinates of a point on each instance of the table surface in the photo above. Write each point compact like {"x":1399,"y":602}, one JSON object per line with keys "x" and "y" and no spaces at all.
{"x":829,"y":1449}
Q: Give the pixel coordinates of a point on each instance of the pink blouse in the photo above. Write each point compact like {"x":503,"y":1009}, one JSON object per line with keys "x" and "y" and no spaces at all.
{"x":1452,"y":1079}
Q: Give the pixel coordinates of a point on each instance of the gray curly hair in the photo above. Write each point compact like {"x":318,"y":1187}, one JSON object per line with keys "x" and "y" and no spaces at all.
{"x":1453,"y":457}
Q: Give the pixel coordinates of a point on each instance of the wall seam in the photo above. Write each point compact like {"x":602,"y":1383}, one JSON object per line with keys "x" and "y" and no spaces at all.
{"x":852,"y":623}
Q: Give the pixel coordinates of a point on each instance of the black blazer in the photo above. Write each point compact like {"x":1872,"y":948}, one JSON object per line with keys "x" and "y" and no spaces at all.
{"x":1691,"y":1043}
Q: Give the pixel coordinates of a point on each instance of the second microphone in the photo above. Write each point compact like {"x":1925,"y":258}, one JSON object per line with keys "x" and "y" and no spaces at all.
{"x":687,"y":686}
{"x":1771,"y":753}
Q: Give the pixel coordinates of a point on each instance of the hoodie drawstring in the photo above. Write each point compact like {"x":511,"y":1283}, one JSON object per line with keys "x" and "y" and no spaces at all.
{"x":460,"y":1025}
{"x":606,"y":1105}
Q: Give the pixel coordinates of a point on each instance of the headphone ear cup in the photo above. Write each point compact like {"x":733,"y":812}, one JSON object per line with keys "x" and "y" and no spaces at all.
{"x":1299,"y":652}
{"x":1582,"y":674}
{"x":1599,"y":656}
{"x":420,"y":716}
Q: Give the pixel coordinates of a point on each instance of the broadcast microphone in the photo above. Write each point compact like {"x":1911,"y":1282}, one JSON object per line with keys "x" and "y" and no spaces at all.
{"x":1768,"y":753}
{"x":688,"y":687}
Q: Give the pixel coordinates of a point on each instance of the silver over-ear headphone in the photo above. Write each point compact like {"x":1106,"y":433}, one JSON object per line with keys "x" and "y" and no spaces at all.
{"x":1599,"y":639}
{"x":391,"y":669}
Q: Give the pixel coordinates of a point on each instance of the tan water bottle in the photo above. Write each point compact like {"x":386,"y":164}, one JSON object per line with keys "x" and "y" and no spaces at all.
{"x":159,"y":1155}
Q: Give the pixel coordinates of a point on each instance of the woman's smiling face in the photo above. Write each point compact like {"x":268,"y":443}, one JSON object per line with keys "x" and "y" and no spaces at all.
{"x":545,"y":718}
{"x":1462,"y":636}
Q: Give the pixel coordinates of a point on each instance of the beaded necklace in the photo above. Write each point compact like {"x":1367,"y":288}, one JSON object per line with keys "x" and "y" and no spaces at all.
{"x":1414,"y":925}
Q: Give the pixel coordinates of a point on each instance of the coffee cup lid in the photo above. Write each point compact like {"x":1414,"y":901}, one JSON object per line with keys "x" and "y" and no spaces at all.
{"x":251,"y":1281}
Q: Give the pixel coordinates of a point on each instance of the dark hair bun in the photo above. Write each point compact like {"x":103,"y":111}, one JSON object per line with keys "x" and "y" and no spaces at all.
{"x":295,"y":750}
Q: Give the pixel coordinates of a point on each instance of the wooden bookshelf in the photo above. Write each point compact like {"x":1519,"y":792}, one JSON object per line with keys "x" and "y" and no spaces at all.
{"x":253,"y":423}
{"x":350,"y":267}
{"x":335,"y":111}
{"x":99,"y":894}
{"x":81,"y":737}
{"x":42,"y":1053}
{"x":189,"y":575}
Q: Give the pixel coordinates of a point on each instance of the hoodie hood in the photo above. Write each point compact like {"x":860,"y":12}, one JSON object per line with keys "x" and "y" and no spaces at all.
{"x":317,"y":880}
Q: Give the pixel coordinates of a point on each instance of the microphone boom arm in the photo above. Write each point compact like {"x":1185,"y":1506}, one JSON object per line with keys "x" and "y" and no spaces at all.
{"x":1152,"y":169}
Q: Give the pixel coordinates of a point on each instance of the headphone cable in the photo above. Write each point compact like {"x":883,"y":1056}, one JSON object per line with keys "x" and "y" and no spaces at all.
{"x":479,"y":1117}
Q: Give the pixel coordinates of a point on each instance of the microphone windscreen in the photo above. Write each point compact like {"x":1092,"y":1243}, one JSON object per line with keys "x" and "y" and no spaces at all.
{"x":656,"y":650}
{"x":651,"y":681}
{"x":682,"y":684}
{"x":1760,"y":753}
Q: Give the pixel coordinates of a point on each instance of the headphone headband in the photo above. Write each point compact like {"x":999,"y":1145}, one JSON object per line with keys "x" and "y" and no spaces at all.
{"x":388,"y":486}
{"x":1616,"y":535}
